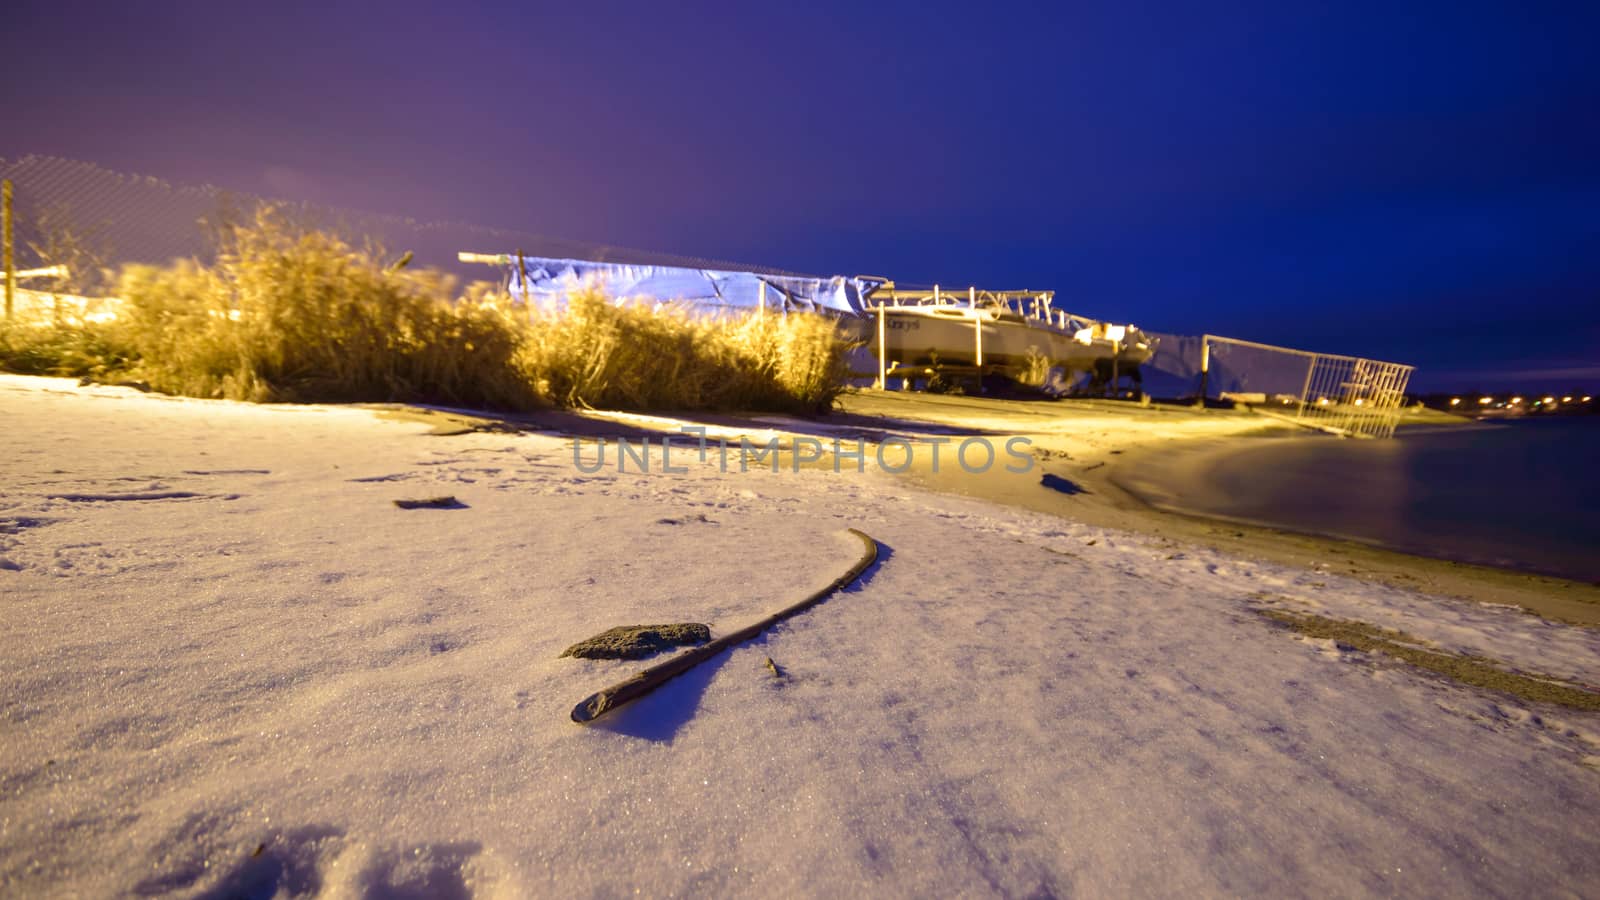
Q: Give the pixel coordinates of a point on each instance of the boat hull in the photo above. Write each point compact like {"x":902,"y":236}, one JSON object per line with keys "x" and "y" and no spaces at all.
{"x":920,"y":336}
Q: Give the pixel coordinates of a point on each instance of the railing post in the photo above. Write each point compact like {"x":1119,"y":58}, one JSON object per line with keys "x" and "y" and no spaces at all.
{"x":883,"y":349}
{"x":977,"y":332}
{"x":10,"y":262}
{"x":1205,"y":368}
{"x":1305,"y":390}
{"x":977,"y":336}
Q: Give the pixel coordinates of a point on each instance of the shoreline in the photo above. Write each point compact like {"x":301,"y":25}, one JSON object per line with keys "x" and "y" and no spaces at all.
{"x":1101,"y":499}
{"x":1083,"y":460}
{"x":1136,"y":478}
{"x":1102,"y":502}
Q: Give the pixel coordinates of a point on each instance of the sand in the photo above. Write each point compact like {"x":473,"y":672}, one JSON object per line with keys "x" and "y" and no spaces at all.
{"x":1101,"y":461}
{"x":234,"y":666}
{"x":1089,"y":456}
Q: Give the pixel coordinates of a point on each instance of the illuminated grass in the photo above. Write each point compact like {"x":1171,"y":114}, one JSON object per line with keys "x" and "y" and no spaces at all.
{"x":289,"y":314}
{"x":75,"y":350}
{"x":1477,"y":671}
{"x":643,"y":355}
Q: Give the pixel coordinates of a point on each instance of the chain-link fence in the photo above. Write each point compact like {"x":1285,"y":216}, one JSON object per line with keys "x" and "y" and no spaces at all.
{"x":91,"y":220}
{"x":76,"y":223}
{"x":1342,"y":394}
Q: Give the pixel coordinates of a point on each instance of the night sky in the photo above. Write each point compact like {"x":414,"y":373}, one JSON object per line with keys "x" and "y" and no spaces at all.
{"x":1415,"y":182}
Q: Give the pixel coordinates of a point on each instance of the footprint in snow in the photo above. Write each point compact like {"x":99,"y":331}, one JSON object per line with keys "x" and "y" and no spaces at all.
{"x":426,"y":870}
{"x":687,"y":520}
{"x":289,"y":864}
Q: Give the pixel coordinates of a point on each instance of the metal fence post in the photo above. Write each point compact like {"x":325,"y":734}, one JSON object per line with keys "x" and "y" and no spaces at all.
{"x":977,"y":332}
{"x":10,"y":262}
{"x":1305,"y":391}
{"x":883,"y":349}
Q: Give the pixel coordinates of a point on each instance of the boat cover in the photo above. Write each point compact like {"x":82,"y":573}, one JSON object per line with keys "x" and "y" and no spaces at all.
{"x":547,"y":281}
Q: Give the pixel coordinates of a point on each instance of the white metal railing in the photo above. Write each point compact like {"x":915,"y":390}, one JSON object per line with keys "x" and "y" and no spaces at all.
{"x":1345,"y":395}
{"x":1032,"y":305}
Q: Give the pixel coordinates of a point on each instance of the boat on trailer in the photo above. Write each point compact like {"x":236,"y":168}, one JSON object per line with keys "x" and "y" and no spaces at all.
{"x":1016,"y":333}
{"x":1019,"y":333}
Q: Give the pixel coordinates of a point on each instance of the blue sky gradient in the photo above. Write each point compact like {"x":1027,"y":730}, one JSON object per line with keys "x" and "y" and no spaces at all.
{"x":1417,"y":182}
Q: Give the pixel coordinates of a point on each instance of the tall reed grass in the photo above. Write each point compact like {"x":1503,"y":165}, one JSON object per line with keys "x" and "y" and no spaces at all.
{"x":644,"y":355}
{"x":288,"y":314}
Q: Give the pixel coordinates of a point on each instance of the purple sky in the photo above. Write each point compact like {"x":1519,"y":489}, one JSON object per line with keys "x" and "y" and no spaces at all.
{"x":1417,"y":182}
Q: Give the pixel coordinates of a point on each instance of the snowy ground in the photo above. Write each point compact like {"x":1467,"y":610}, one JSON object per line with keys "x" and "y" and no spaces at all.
{"x":232,"y":665}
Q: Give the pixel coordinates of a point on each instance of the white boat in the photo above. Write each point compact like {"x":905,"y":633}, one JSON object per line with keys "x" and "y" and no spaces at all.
{"x":1020,"y":332}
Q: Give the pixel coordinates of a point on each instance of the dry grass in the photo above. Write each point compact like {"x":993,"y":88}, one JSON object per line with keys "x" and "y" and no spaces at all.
{"x":290,"y":314}
{"x":72,"y":349}
{"x":643,"y":355}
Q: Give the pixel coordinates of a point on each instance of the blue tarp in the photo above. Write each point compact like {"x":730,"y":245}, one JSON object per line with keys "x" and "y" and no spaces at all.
{"x":546,"y":282}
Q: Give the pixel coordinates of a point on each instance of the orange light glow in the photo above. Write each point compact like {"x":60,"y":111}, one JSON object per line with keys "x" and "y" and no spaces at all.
{"x":1455,"y":401}
{"x":1485,"y":400}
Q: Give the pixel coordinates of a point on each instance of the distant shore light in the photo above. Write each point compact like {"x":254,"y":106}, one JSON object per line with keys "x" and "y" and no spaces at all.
{"x":1485,"y":400}
{"x":1455,"y":401}
{"x":1515,"y":401}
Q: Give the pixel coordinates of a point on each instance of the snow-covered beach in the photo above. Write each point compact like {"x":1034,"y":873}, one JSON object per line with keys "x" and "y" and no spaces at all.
{"x":233,"y":666}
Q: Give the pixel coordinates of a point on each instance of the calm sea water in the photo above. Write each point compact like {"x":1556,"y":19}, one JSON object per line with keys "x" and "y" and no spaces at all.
{"x":1520,"y":494}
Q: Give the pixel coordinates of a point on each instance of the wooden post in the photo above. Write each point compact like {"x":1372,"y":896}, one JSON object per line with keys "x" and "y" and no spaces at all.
{"x":1205,"y":368}
{"x":10,"y":262}
{"x":936,"y":298}
{"x":1116,"y":351}
{"x":763,"y":306}
{"x":527,"y":295}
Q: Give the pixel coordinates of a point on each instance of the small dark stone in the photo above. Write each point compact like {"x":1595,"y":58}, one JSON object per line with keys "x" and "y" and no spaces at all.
{"x":1064,"y":485}
{"x":639,"y":641}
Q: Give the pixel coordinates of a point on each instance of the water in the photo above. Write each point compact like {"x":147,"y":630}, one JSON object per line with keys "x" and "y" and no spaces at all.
{"x":1520,"y":495}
